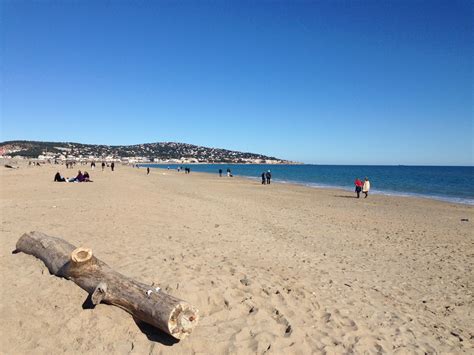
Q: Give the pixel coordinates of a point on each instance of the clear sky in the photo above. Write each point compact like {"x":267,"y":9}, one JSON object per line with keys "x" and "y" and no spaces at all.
{"x":339,"y":82}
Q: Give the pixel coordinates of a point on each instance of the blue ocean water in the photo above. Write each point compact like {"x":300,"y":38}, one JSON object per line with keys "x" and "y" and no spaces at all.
{"x":454,"y":184}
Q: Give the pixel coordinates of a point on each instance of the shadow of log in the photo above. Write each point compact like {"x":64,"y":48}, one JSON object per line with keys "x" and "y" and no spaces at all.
{"x":154,"y":334}
{"x":88,"y":304}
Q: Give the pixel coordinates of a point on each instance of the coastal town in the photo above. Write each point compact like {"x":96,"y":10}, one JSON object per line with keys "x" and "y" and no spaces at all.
{"x":159,"y":153}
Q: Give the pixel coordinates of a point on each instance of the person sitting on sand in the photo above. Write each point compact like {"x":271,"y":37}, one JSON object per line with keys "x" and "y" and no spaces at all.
{"x":59,"y":178}
{"x":366,"y":187}
{"x":86,"y":177}
{"x":78,"y":178}
{"x":358,"y":186}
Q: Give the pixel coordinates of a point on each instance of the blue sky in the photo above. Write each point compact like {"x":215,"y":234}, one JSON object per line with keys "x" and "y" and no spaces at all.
{"x":339,"y":82}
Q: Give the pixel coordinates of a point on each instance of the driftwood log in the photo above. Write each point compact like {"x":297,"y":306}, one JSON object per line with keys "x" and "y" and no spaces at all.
{"x":145,"y":303}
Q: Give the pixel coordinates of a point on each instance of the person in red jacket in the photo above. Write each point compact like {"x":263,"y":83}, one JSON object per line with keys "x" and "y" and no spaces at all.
{"x":358,"y":186}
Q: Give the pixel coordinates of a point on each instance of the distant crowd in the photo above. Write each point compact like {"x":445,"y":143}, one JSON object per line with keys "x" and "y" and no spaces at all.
{"x":266,"y":176}
{"x":72,"y":164}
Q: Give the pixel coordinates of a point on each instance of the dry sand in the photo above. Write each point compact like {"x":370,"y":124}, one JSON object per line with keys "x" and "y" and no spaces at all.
{"x":273,"y":269}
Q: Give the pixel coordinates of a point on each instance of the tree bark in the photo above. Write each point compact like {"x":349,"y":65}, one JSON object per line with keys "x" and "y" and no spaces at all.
{"x":146,"y":303}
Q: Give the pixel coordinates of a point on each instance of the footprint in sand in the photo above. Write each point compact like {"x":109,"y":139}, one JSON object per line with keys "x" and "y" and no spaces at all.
{"x":281,"y":319}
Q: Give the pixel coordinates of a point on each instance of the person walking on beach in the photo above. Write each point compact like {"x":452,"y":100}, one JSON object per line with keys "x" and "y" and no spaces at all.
{"x":103,"y":166}
{"x":268,"y":175}
{"x":358,"y":186}
{"x":148,"y":171}
{"x":264,"y":178}
{"x":220,"y":172}
{"x":366,"y":187}
{"x":112,"y":166}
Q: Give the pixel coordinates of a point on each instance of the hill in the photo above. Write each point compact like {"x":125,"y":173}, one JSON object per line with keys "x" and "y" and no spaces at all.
{"x":148,"y":152}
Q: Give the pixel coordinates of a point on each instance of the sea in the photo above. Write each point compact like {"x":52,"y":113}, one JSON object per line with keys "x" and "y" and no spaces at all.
{"x":446,"y":183}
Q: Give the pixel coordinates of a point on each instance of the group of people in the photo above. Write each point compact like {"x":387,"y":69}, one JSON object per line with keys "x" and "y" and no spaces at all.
{"x":81,"y":177}
{"x":229,"y":173}
{"x":71,"y":164}
{"x":266,"y":177}
{"x":112,"y":166}
{"x":362,"y":187}
{"x":179,"y":168}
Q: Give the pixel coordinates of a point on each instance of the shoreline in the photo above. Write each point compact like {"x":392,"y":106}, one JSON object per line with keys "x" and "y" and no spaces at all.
{"x":451,"y":200}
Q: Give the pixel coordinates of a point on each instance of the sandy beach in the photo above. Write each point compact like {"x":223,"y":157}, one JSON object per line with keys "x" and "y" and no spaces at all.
{"x":280,"y":269}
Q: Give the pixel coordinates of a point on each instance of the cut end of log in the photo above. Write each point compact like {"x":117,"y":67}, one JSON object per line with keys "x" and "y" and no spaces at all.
{"x":81,"y":255}
{"x":183,"y":319}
